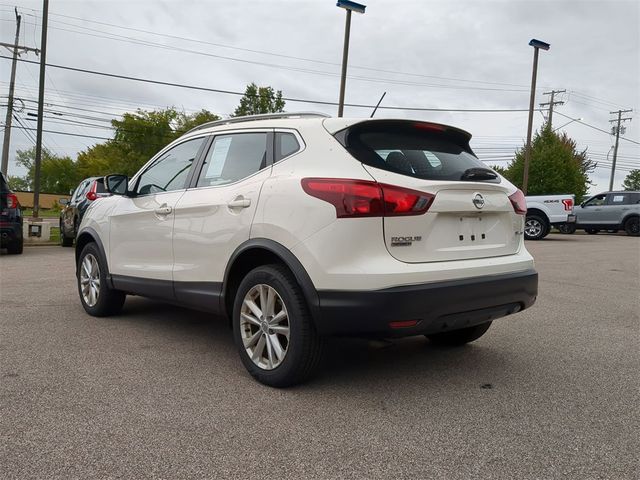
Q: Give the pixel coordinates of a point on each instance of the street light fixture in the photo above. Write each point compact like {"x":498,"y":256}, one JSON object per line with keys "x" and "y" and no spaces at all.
{"x":537,"y":45}
{"x":572,"y":120}
{"x":349,"y":7}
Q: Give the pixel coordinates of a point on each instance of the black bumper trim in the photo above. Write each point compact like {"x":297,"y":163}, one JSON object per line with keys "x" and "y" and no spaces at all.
{"x":437,"y":307}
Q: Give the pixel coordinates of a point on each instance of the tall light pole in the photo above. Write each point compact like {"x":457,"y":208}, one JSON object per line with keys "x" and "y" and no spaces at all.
{"x":537,"y":45}
{"x":349,"y":7}
{"x":572,"y":120}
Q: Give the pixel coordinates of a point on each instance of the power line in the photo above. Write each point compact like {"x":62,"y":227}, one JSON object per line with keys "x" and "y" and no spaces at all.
{"x":596,"y":128}
{"x":288,"y":99}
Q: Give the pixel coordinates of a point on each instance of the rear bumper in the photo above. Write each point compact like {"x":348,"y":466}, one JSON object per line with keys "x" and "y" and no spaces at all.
{"x":436,"y":307}
{"x":10,"y":232}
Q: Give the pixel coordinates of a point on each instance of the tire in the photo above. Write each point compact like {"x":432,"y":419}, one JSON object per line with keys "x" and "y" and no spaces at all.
{"x":632,"y":226}
{"x":535,"y":227}
{"x":567,"y":228}
{"x":456,"y":338}
{"x":107,"y":301}
{"x":16,"y":248}
{"x":301,"y":351}
{"x":591,"y":231}
{"x":64,"y":240}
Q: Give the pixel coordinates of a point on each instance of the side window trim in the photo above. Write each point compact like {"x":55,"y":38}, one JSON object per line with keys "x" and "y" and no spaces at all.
{"x":197,"y":170}
{"x":152,"y":162}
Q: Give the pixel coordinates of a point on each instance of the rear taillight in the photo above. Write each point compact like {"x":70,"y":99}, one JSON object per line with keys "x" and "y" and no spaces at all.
{"x":12,"y":200}
{"x":519,"y":202}
{"x":568,"y":204}
{"x":91,"y":194}
{"x":364,"y":198}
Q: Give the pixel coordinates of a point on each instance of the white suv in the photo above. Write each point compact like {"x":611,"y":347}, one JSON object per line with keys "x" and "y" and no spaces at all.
{"x":300,"y":226}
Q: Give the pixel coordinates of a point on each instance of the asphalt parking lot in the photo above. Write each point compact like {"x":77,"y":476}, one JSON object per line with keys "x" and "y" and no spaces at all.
{"x":159,"y":392}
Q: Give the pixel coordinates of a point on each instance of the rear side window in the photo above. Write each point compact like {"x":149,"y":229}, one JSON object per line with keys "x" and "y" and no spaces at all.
{"x":624,"y":198}
{"x":286,"y":144}
{"x":416,"y":149}
{"x":233,"y":157}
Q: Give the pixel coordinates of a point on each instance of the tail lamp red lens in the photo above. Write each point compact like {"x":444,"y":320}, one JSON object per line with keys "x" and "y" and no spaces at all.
{"x":568,"y":204}
{"x":519,"y":202}
{"x":12,"y":200}
{"x":364,"y":198}
{"x":92,"y":193}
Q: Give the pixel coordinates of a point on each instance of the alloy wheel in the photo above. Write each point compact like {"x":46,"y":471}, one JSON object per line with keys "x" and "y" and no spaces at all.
{"x":90,"y":279}
{"x":532,"y":228}
{"x":264,"y":327}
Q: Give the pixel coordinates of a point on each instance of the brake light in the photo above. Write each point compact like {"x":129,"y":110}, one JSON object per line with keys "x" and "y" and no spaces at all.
{"x":429,"y":126}
{"x":92,"y":193}
{"x":12,"y":200}
{"x":519,"y":202}
{"x":365,"y":198}
{"x":568,"y":204}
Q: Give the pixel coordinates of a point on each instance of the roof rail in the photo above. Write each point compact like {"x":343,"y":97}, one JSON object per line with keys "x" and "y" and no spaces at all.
{"x":263,"y":116}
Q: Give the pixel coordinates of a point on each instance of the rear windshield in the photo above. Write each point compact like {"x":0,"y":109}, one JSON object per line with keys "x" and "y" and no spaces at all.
{"x":4,"y":188}
{"x":415,"y":149}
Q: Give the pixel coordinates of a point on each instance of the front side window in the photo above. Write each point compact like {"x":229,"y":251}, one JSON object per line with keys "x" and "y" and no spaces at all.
{"x":596,"y":201}
{"x":169,"y":171}
{"x":233,"y":157}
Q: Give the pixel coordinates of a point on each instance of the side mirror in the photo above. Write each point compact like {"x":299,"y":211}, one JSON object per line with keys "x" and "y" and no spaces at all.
{"x":63,"y":201}
{"x":116,"y":184}
{"x":583,"y":204}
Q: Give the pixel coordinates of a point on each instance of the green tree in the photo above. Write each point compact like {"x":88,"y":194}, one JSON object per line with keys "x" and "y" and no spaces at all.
{"x":18,"y":184}
{"x":57,"y":174}
{"x":556,"y":167}
{"x":258,"y":100}
{"x":632,"y":180}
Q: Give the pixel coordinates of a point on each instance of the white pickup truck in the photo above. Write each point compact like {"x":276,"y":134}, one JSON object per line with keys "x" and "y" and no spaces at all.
{"x":546,"y":211}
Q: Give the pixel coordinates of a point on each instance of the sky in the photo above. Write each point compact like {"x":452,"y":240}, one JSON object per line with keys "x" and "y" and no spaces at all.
{"x":451,"y":55}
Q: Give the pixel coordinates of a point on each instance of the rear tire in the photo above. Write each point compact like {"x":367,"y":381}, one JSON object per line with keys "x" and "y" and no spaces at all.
{"x":456,"y":338}
{"x":92,"y":276}
{"x":15,"y":248}
{"x":266,"y":293}
{"x":632,"y":227}
{"x":535,"y":227}
{"x":567,"y":228}
{"x":591,"y":231}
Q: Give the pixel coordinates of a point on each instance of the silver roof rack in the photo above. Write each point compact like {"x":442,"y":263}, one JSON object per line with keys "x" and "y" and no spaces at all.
{"x":264,"y":116}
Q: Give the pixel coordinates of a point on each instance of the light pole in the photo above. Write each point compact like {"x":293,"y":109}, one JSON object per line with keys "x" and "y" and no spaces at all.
{"x":349,"y":7}
{"x":572,"y":120}
{"x":537,"y":45}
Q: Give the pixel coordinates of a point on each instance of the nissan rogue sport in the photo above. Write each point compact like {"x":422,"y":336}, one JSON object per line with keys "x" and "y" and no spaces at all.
{"x":299,"y":226}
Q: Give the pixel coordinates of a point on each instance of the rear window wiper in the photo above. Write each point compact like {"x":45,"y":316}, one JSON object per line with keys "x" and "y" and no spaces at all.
{"x":478,"y":173}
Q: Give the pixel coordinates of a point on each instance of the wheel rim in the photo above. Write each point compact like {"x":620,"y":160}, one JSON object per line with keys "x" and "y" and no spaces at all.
{"x":634,"y":226}
{"x":90,"y":280}
{"x":264,"y":327}
{"x":532,"y":228}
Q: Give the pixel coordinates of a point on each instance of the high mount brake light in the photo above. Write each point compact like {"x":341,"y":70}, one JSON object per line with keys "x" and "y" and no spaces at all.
{"x":92,"y":193}
{"x":568,"y":204}
{"x":365,"y":198}
{"x":429,"y":126}
{"x":519,"y":202}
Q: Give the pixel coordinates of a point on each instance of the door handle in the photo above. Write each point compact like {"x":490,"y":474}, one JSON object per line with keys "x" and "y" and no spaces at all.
{"x":163,"y":210}
{"x":239,"y":202}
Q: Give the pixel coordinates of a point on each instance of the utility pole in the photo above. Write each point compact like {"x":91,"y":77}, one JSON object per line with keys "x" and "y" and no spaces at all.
{"x":15,"y":48}
{"x":43,"y":60}
{"x":616,"y":129}
{"x":551,"y":104}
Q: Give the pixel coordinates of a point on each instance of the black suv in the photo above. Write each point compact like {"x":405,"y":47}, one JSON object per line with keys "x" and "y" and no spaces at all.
{"x":90,"y":189}
{"x":10,"y":219}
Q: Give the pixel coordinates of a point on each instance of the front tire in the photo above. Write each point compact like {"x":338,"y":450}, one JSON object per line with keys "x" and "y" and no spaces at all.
{"x":535,"y":227}
{"x":64,"y":240}
{"x":273,"y":329}
{"x":97,"y":298}
{"x":456,"y":338}
{"x":567,"y":228}
{"x":632,"y":227}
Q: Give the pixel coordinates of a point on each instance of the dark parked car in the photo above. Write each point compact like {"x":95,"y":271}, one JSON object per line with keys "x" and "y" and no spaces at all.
{"x":10,"y":219}
{"x":89,"y":190}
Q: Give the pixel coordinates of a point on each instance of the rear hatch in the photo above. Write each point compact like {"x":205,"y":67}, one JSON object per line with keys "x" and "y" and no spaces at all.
{"x":470,"y":215}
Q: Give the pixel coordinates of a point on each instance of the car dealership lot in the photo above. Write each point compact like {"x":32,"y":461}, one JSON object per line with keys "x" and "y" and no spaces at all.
{"x":160,"y":391}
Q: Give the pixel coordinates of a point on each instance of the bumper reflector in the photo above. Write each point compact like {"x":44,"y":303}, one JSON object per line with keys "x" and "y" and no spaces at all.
{"x":403,"y":324}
